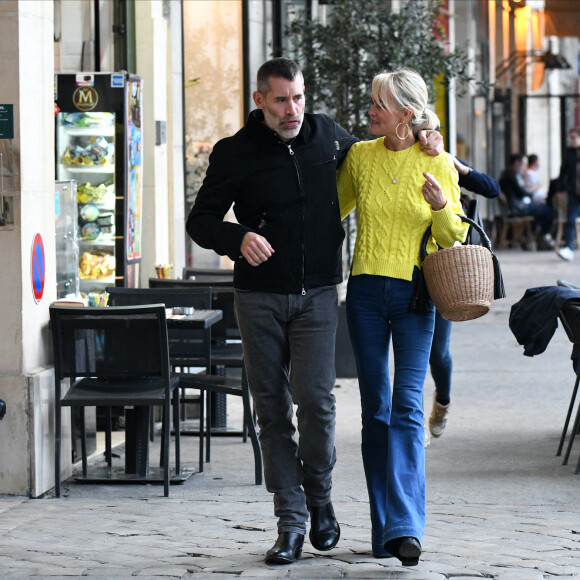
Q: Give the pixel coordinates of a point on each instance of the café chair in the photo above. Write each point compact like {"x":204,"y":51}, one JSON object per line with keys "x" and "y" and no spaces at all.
{"x":188,"y":348}
{"x":117,"y":356}
{"x":226,"y":353}
{"x":570,"y":318}
{"x":521,"y":227}
{"x":226,"y":344}
{"x":228,"y":386}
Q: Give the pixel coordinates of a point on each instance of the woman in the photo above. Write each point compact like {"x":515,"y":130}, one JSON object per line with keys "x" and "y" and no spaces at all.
{"x":398,"y":192}
{"x":440,"y":360}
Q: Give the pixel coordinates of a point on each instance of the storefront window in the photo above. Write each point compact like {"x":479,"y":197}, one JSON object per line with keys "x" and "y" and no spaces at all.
{"x":213,"y":61}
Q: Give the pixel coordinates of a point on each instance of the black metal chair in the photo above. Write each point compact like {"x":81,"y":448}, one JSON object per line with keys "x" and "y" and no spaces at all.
{"x":226,"y":353}
{"x":195,"y":349}
{"x":570,"y":318}
{"x":116,"y":356}
{"x":187,"y":348}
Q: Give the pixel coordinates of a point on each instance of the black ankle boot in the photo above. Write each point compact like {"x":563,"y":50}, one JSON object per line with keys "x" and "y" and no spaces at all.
{"x":287,"y":549}
{"x":324,"y":529}
{"x":406,"y":548}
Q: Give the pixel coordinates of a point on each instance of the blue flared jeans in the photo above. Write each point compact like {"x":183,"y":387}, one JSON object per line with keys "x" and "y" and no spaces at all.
{"x":288,"y":342}
{"x":378,"y":309}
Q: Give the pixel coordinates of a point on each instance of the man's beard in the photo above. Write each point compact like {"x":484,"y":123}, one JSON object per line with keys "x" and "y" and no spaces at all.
{"x":290,"y":133}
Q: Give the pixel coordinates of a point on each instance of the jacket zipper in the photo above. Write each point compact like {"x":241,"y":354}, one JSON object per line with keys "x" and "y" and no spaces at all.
{"x":289,"y":145}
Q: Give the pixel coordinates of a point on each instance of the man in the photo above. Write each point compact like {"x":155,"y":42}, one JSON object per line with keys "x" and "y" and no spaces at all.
{"x":279,"y":171}
{"x":569,"y":182}
{"x":520,"y":202}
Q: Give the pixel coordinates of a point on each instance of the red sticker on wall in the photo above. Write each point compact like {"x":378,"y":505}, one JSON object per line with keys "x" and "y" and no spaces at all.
{"x":37,"y":267}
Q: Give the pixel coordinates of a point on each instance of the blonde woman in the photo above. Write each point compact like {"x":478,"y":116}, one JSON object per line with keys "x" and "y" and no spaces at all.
{"x":398,"y":191}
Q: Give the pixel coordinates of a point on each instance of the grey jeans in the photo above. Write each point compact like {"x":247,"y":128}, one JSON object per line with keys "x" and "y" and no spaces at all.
{"x":288,"y":342}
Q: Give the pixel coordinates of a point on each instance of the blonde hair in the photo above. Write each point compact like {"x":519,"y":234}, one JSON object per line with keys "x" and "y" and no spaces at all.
{"x":408,"y":90}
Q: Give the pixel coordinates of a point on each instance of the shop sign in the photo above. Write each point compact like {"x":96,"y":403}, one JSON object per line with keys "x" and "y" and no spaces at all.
{"x":85,"y":98}
{"x":6,"y":121}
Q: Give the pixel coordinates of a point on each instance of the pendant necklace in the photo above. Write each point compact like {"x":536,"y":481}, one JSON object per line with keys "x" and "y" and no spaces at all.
{"x":395,"y":180}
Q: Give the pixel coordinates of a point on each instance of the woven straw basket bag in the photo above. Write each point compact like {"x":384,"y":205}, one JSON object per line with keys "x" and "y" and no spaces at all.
{"x":463,"y":280}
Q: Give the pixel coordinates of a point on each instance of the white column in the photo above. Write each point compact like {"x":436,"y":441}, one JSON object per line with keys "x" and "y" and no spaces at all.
{"x":27,"y":69}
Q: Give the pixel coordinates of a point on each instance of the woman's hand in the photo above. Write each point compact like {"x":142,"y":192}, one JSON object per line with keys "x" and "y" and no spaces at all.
{"x":433,"y":193}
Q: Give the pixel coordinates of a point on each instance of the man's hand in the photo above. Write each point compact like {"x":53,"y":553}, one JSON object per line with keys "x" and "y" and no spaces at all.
{"x":431,"y":142}
{"x":255,"y":248}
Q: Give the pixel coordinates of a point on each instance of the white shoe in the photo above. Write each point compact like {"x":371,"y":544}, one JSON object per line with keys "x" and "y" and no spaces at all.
{"x":566,"y":254}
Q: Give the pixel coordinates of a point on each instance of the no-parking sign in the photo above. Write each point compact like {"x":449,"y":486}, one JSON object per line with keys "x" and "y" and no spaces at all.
{"x":37,"y":267}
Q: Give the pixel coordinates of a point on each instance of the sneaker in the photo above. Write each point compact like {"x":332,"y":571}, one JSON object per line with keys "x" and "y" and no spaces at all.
{"x":438,"y":417}
{"x":566,"y":254}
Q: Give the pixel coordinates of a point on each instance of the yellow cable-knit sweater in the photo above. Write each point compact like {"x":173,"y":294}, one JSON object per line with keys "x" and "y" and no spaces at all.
{"x":392,"y":218}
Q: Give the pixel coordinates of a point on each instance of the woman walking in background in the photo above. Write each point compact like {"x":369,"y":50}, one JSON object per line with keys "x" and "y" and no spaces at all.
{"x":398,"y":191}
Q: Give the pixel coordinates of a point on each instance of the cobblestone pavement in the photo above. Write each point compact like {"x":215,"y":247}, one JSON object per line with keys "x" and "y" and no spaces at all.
{"x":500,"y":504}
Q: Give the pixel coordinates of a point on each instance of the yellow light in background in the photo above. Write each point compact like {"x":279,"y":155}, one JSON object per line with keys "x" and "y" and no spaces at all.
{"x":521,"y":26}
{"x":537,"y":41}
{"x":537,"y":29}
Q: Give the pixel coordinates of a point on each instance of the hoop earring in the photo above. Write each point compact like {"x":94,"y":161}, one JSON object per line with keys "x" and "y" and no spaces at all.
{"x":406,"y":134}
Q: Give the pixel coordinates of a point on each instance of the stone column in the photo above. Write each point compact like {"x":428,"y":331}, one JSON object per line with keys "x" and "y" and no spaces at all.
{"x":26,"y":82}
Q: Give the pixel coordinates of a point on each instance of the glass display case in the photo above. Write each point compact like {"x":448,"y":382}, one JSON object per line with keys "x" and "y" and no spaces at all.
{"x":86,"y":153}
{"x":98,"y":144}
{"x":66,"y":239}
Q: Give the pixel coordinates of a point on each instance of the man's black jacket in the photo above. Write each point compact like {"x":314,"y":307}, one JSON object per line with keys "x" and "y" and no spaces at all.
{"x":534,"y":318}
{"x":283,"y":191}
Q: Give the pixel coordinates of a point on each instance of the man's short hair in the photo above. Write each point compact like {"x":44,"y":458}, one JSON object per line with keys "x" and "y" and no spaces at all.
{"x":532,"y":159}
{"x":575,"y":130}
{"x":277,"y":67}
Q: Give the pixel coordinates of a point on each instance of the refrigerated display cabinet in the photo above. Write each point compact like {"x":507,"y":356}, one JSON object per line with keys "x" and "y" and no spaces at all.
{"x":98,"y":144}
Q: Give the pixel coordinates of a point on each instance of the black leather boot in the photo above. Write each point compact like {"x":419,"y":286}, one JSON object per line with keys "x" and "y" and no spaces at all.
{"x":287,"y":549}
{"x":324,"y":529}
{"x":406,"y":548}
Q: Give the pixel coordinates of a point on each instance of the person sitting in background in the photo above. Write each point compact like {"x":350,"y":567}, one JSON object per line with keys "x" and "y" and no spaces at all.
{"x":521,"y":204}
{"x":440,"y":361}
{"x":569,"y":182}
{"x":532,"y":181}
